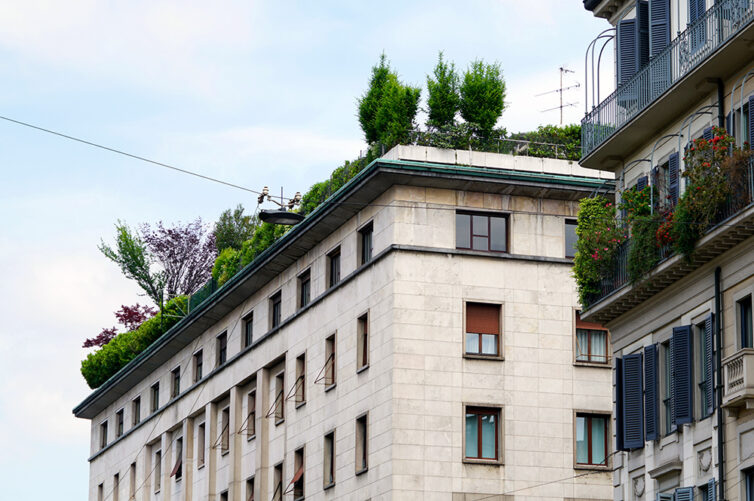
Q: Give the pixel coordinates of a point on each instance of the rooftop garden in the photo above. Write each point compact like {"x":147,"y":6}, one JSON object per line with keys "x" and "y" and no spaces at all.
{"x":180,"y":266}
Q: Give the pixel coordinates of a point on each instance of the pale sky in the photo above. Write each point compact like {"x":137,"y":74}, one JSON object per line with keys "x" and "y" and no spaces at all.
{"x":255,"y":93}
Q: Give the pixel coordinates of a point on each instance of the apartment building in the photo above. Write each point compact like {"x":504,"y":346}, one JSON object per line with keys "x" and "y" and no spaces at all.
{"x":681,"y":337}
{"x":415,"y":337}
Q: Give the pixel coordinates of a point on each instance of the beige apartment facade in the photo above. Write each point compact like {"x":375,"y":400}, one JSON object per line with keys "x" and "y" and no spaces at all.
{"x":683,"y":329}
{"x":414,"y":338}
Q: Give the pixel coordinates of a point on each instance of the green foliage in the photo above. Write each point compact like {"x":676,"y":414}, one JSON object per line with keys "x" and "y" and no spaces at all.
{"x":567,"y":137}
{"x":482,"y":95}
{"x":226,"y":265}
{"x":643,"y":254}
{"x":369,"y":103}
{"x":234,"y":228}
{"x":102,"y":364}
{"x":443,"y":100}
{"x":598,"y":238}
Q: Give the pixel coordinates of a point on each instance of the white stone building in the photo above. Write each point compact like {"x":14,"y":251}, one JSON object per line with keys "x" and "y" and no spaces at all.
{"x":413,"y":338}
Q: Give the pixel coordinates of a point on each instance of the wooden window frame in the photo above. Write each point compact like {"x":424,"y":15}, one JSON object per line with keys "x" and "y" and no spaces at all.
{"x":578,"y":325}
{"x":484,"y":410}
{"x":589,"y":414}
{"x":488,"y":215}
{"x":480,"y":355}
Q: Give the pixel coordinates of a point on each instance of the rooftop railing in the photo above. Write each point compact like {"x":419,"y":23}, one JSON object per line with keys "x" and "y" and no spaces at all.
{"x":684,"y":53}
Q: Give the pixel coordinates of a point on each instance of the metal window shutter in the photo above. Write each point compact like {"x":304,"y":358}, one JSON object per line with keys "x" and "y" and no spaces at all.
{"x":618,"y":372}
{"x":650,"y":393}
{"x":642,"y":32}
{"x":483,"y":318}
{"x":641,"y":183}
{"x":663,"y":497}
{"x":684,"y":494}
{"x":711,"y":494}
{"x":751,"y":120}
{"x":659,"y":26}
{"x":707,"y":134}
{"x":633,"y":408}
{"x":673,"y":176}
{"x":683,"y":381}
{"x":627,"y":55}
{"x":709,"y":393}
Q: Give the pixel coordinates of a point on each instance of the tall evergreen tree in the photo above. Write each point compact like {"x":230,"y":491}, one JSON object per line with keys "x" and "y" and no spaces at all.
{"x":482,"y":95}
{"x":370,"y":101}
{"x":443,"y":99}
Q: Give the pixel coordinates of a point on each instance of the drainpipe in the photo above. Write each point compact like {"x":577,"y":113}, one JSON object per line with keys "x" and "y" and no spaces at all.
{"x":719,"y":363}
{"x":720,"y":103}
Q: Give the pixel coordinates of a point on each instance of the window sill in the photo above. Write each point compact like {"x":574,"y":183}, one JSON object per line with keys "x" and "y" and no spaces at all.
{"x":362,"y":471}
{"x":362,"y":369}
{"x":328,"y":486}
{"x":251,"y":437}
{"x":300,"y":404}
{"x":592,"y":467}
{"x":200,"y":467}
{"x":598,"y":365}
{"x":474,"y":356}
{"x":225,"y":452}
{"x":330,"y":387}
{"x":278,"y":422}
{"x":488,"y":462}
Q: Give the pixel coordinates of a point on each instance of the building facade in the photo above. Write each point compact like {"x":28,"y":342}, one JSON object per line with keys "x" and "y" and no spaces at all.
{"x":680,"y":334}
{"x":415,"y":337}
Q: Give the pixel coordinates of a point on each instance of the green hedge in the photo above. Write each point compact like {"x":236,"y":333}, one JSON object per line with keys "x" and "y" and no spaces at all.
{"x":100,"y":365}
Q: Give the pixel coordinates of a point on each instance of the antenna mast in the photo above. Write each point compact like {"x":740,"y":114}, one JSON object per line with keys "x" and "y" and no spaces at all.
{"x":560,"y":90}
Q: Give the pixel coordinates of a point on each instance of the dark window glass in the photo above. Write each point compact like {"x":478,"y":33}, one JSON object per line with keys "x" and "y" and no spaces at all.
{"x":498,"y":234}
{"x":334,"y":259}
{"x":119,"y":423}
{"x":103,"y":435}
{"x":482,"y":432}
{"x":570,"y":238}
{"x":248,"y":330}
{"x":305,"y":287}
{"x":482,"y":232}
{"x":155,"y":396}
{"x":222,"y":348}
{"x":366,"y":244}
{"x":136,"y":411}
{"x":176,"y":389}
{"x":198,"y":365}
{"x":276,"y":309}
{"x":591,"y":440}
{"x":463,"y":231}
{"x":744,"y":316}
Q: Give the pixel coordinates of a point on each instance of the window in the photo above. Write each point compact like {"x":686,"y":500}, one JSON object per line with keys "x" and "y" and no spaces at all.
{"x":119,"y":423}
{"x":744,"y":322}
{"x":280,"y":398}
{"x":135,"y":411}
{"x":251,"y":416}
{"x":298,"y":477}
{"x":175,"y":389}
{"x":222,"y":349}
{"x":749,"y":479}
{"x":483,"y":329}
{"x":198,"y":365}
{"x":248,"y":330}
{"x":200,"y":437}
{"x":116,"y":486}
{"x":329,"y":460}
{"x":591,"y":439}
{"x":276,"y":310}
{"x":225,"y":431}
{"x":481,"y":232}
{"x":365,"y":243}
{"x":132,"y":481}
{"x":224,"y":496}
{"x":250,"y":489}
{"x":103,"y":435}
{"x":667,"y":381}
{"x":155,"y":397}
{"x":362,"y":451}
{"x":100,"y":492}
{"x":333,"y":268}
{"x":591,"y":342}
{"x":482,"y":433}
{"x":300,"y":390}
{"x":304,"y":288}
{"x":570,"y":238}
{"x":178,"y":468}
{"x":157,"y":470}
{"x":702,"y":376}
{"x":362,"y":342}
{"x":330,"y":362}
{"x":277,"y":493}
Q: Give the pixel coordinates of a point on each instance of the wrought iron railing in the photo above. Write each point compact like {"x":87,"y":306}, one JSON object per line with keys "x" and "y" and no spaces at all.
{"x":684,"y":53}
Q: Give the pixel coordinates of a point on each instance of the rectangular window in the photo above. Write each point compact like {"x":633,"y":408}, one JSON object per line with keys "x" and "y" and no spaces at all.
{"x":298,"y":477}
{"x":119,"y":423}
{"x":591,"y":439}
{"x":304,"y":288}
{"x":330,"y":374}
{"x":132,"y":481}
{"x":250,"y":489}
{"x":745,"y":323}
{"x":362,"y":452}
{"x":700,"y":354}
{"x":155,"y":397}
{"x":667,"y":381}
{"x":251,"y":416}
{"x":101,"y":492}
{"x":178,"y":468}
{"x":103,"y":435}
{"x":482,"y":433}
{"x":481,"y":232}
{"x":329,"y":460}
{"x":224,"y":496}
{"x":300,"y":379}
{"x":570,"y":238}
{"x":200,"y":437}
{"x":276,"y":306}
{"x":365,"y":243}
{"x":198,"y":366}
{"x":483,"y":329}
{"x":116,"y":486}
{"x":175,"y":389}
{"x":333,"y":268}
{"x":221,"y":344}
{"x":277,"y":493}
{"x":280,"y":398}
{"x":135,"y":411}
{"x":225,"y":431}
{"x":248,"y":330}
{"x":362,"y":342}
{"x":157,"y":471}
{"x":591,"y":342}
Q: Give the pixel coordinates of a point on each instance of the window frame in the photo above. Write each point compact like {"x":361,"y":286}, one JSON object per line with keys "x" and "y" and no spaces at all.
{"x":485,"y":409}
{"x":334,"y":267}
{"x":201,"y":444}
{"x":607,"y":416}
{"x":665,"y":374}
{"x":276,"y":309}
{"x":745,"y":339}
{"x":579,"y":324}
{"x":178,"y":459}
{"x":221,"y":349}
{"x":364,"y":417}
{"x":566,"y":223}
{"x":248,"y":330}
{"x":135,"y":411}
{"x":300,"y":390}
{"x":175,"y":382}
{"x":120,"y":422}
{"x":488,"y":215}
{"x":500,"y":348}
{"x":224,"y":431}
{"x":331,"y":341}
{"x":103,"y":434}
{"x":304,"y":281}
{"x":299,"y":461}
{"x":251,"y":415}
{"x":279,"y":414}
{"x":154,"y":393}
{"x":363,"y":330}
{"x":198,"y":365}
{"x":157,"y":469}
{"x":366,"y":236}
{"x":332,"y":460}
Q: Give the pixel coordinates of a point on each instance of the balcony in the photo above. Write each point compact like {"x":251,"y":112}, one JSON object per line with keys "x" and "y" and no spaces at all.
{"x":717,"y":45}
{"x":738,"y":374}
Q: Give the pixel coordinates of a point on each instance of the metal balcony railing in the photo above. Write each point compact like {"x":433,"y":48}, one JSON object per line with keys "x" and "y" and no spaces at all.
{"x":684,"y":53}
{"x":738,"y":378}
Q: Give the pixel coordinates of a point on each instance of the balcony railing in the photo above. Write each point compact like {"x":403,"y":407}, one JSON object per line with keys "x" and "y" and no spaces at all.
{"x":684,"y":53}
{"x":738,"y":376}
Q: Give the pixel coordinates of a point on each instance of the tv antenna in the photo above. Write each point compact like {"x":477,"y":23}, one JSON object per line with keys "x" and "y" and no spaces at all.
{"x":560,"y":91}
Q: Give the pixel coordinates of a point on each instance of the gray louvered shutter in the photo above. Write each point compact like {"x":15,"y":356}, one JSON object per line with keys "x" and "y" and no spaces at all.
{"x":627,"y":55}
{"x":619,"y":404}
{"x":751,"y":121}
{"x":711,"y":493}
{"x":642,"y":32}
{"x":684,"y":494}
{"x":709,"y":371}
{"x":659,"y":26}
{"x":641,"y":183}
{"x":673,"y":177}
{"x":683,"y":381}
{"x":633,"y":415}
{"x":651,"y":401}
{"x":663,"y":497}
{"x":707,"y":134}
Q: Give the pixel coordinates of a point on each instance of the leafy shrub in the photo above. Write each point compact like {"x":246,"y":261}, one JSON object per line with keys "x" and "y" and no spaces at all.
{"x":226,"y":265}
{"x":482,"y":94}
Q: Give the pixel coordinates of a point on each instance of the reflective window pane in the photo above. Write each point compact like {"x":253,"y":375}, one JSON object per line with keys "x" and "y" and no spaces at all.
{"x":599,"y":346}
{"x":498,"y":237}
{"x":480,"y":225}
{"x":463,"y":231}
{"x":582,"y":345}
{"x":481,"y":243}
{"x":598,"y":440}
{"x":570,"y":238}
{"x":489,"y":344}
{"x":488,"y":436}
{"x":582,"y":446}
{"x":472,"y":343}
{"x":471,"y":436}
